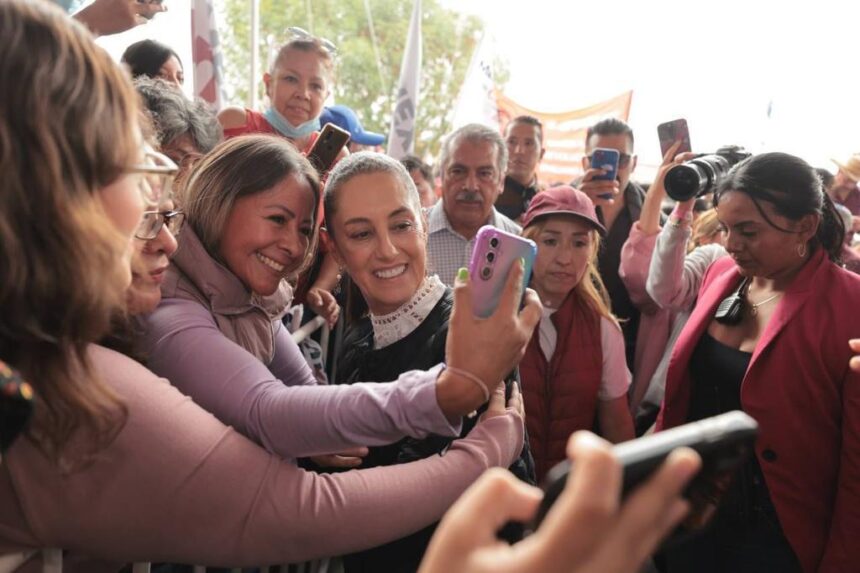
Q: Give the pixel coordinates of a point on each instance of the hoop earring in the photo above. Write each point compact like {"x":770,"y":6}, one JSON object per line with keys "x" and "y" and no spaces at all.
{"x":336,"y":290}
{"x":801,"y":250}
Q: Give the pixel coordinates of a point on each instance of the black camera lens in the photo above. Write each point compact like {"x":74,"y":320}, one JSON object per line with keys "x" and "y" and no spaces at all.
{"x":494,"y":242}
{"x":486,"y":273}
{"x":491,"y":257}
{"x":700,"y":176}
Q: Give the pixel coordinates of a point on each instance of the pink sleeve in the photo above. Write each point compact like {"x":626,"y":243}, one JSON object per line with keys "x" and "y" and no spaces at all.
{"x":635,"y":262}
{"x":178,"y":486}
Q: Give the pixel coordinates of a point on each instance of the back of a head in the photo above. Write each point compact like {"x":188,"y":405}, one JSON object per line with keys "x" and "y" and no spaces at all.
{"x":67,"y":130}
{"x":794,"y":189}
{"x":173,"y":115}
{"x":145,"y":58}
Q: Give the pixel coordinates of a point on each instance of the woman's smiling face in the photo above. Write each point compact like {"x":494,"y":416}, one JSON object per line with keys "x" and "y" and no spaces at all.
{"x":267,"y":234}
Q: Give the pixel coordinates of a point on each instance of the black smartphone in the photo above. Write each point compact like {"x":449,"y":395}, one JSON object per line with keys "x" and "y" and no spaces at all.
{"x":672,"y":131}
{"x":724,"y":442}
{"x":327,"y":147}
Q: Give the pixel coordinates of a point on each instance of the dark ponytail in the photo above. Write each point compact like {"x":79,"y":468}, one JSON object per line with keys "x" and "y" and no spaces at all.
{"x":831,"y":231}
{"x":794,"y":189}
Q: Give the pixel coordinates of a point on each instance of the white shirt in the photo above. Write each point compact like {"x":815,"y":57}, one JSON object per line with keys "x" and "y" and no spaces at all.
{"x":615,"y":378}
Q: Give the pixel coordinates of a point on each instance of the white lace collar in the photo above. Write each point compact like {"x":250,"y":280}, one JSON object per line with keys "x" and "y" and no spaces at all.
{"x":389,"y":328}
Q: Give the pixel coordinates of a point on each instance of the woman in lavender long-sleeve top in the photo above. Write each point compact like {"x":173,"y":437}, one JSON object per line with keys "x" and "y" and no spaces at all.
{"x":218,"y":337}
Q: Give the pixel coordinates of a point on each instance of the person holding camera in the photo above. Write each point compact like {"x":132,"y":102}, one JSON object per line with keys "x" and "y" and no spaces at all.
{"x":656,"y":268}
{"x":767,"y":335}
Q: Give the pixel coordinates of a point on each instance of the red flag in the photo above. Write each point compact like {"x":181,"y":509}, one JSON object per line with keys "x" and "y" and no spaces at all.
{"x":206,"y":53}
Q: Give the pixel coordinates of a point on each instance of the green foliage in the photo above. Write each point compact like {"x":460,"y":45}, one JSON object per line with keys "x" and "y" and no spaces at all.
{"x":449,"y":39}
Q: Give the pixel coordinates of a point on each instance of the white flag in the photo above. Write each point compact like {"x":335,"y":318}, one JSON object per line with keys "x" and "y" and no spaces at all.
{"x":206,"y":53}
{"x":477,"y":100}
{"x":401,"y":140}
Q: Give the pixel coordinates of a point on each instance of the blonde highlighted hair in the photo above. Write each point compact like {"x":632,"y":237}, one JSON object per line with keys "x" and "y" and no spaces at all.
{"x":237,"y":168}
{"x":704,"y":229}
{"x":591,"y":288}
{"x":68,"y":129}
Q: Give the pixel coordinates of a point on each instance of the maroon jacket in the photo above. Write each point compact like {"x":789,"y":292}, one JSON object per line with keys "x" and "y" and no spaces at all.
{"x":806,"y":401}
{"x":561,"y":395}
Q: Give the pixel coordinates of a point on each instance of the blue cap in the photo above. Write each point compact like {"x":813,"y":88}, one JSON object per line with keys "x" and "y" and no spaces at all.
{"x":345,"y":118}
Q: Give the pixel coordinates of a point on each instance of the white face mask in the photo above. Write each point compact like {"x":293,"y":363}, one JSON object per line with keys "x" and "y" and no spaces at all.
{"x":285,"y":128}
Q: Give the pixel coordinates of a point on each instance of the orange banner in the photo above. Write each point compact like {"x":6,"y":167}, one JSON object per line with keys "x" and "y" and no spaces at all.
{"x":564,"y":133}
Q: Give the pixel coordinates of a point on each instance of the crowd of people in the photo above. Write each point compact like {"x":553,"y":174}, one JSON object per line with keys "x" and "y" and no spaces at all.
{"x":151,"y":249}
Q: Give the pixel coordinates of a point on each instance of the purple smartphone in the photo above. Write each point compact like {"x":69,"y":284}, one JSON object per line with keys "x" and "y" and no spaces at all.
{"x":672,"y":131}
{"x":492,"y":259}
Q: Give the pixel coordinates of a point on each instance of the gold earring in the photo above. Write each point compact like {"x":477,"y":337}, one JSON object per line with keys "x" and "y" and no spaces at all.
{"x":801,"y":250}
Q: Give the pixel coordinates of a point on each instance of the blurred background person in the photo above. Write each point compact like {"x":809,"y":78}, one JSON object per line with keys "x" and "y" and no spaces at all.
{"x":153,"y":59}
{"x":422,"y":176}
{"x":844,"y":190}
{"x":345,"y":118}
{"x":524,"y":139}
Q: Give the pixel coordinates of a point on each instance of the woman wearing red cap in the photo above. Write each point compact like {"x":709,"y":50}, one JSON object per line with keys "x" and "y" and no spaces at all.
{"x":573,"y":372}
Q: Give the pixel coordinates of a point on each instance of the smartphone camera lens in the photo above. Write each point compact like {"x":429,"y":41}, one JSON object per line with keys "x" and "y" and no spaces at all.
{"x":491,"y":257}
{"x":494,"y":242}
{"x":486,"y":273}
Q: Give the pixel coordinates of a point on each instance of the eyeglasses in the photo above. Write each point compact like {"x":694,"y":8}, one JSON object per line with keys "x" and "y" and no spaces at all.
{"x":303,"y":34}
{"x":158,"y":173}
{"x":153,"y":221}
{"x":623,"y":159}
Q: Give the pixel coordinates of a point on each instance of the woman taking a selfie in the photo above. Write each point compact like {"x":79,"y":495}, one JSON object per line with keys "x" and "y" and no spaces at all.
{"x":573,"y":372}
{"x":399,"y":315}
{"x":767,"y":335}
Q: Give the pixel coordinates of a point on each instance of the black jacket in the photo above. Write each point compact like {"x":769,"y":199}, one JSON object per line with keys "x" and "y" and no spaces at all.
{"x":419,"y":350}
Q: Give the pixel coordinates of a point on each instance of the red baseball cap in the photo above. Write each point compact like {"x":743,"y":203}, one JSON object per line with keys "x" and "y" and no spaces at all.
{"x":563,"y":200}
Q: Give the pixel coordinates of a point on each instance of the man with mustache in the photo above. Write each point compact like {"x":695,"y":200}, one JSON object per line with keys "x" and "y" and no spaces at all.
{"x":524,"y":138}
{"x":473,"y":163}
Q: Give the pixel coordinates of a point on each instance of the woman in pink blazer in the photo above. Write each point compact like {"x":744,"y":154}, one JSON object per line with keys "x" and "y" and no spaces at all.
{"x":783,"y":359}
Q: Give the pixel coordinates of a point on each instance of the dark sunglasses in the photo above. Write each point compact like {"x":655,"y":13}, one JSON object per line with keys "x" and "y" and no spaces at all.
{"x":623,"y":159}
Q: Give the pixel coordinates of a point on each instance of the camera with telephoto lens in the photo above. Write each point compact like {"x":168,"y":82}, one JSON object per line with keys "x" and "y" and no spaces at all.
{"x":703,"y":174}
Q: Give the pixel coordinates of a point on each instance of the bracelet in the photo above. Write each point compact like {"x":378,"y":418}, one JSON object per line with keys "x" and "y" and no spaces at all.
{"x":472,"y":378}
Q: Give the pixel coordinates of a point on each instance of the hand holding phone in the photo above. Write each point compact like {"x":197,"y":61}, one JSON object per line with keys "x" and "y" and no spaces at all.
{"x":607,"y":160}
{"x":672,"y":131}
{"x":724,"y":442}
{"x":492,"y":258}
{"x":327,"y":147}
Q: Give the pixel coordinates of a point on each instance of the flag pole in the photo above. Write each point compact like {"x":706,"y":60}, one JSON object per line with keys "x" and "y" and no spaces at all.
{"x":401,"y":138}
{"x":255,"y":43}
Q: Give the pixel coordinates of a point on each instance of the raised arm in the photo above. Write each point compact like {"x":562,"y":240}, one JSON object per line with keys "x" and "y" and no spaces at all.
{"x":179,"y":486}
{"x":290,"y":417}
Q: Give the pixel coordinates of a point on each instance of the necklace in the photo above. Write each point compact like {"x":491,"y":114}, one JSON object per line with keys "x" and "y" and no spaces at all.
{"x":754,"y":307}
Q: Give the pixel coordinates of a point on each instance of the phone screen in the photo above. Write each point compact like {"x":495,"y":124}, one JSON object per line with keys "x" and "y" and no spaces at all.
{"x":672,"y":131}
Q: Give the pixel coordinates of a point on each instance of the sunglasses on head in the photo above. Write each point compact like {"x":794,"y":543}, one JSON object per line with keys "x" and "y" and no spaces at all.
{"x":303,"y":34}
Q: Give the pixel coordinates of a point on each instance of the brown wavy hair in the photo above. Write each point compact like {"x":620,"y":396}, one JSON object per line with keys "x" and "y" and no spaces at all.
{"x":68,"y":122}
{"x":236,"y":168}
